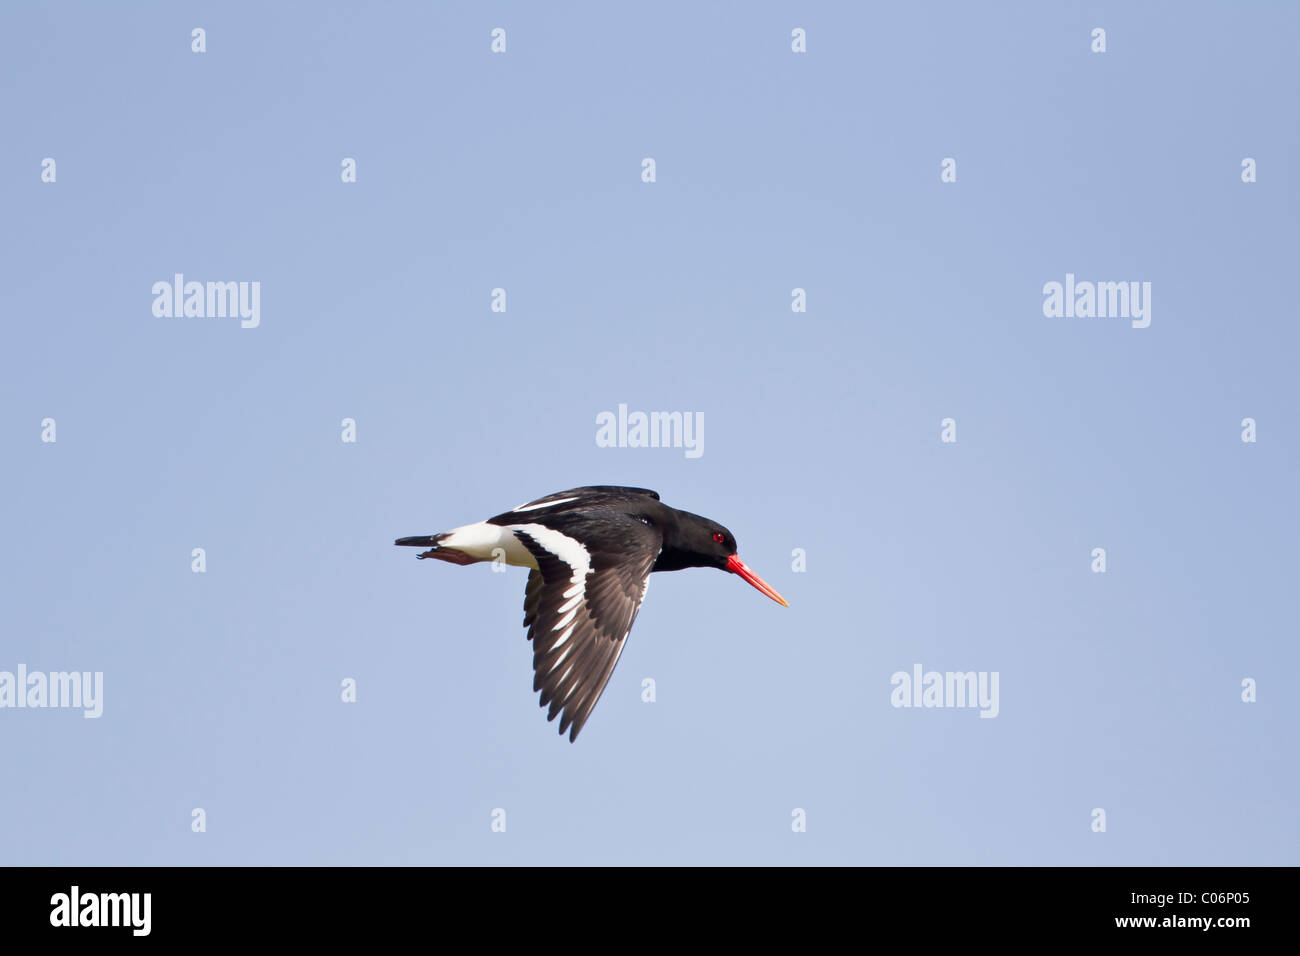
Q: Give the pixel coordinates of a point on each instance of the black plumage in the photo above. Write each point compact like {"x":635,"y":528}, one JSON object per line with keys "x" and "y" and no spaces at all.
{"x":594,"y":549}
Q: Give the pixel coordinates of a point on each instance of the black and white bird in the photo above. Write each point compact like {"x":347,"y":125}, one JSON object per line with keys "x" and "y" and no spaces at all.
{"x":591,"y":551}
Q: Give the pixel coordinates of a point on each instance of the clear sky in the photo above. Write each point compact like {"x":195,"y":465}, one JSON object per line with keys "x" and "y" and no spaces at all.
{"x":774,"y":171}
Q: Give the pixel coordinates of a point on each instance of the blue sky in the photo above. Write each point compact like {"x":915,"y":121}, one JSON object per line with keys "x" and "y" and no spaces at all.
{"x":774,"y":171}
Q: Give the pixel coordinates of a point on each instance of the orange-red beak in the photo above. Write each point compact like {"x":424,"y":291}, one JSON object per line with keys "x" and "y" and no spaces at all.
{"x":737,"y":566}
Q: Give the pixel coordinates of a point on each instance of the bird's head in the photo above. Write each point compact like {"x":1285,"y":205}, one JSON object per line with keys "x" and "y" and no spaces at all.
{"x":712,"y":545}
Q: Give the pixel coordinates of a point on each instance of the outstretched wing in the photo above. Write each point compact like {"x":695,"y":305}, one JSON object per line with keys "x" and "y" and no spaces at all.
{"x":580,"y":604}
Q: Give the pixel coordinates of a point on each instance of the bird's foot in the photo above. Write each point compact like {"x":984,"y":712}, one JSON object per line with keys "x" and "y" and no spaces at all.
{"x":449,"y":554}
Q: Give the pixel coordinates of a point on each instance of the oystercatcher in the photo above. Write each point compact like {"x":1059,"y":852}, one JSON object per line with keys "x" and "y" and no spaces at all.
{"x":591,"y":551}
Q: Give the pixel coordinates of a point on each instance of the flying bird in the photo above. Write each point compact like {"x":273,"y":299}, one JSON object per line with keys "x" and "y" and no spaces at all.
{"x":591,"y":551}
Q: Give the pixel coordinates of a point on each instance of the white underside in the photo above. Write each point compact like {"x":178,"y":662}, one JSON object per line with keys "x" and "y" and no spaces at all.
{"x":489,"y":541}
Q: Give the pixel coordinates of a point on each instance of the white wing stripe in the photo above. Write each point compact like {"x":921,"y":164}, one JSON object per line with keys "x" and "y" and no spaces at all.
{"x":542,"y":504}
{"x":569,"y":550}
{"x":564,"y":637}
{"x":560,"y":660}
{"x":563,"y":679}
{"x":576,"y":556}
{"x":569,"y":692}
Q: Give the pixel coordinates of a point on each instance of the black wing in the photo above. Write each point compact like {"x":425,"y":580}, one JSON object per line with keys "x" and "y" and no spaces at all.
{"x":574,"y":498}
{"x":578,"y":617}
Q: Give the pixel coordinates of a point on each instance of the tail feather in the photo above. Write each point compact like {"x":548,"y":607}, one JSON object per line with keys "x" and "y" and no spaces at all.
{"x":420,"y":541}
{"x":436,"y":550}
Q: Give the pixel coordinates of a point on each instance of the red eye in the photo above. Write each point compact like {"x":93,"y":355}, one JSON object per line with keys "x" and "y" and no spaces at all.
{"x":718,"y":537}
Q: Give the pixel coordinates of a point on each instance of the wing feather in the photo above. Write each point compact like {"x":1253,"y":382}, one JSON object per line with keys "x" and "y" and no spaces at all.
{"x":576,"y":645}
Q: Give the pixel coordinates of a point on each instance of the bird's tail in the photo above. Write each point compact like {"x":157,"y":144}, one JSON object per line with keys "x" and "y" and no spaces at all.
{"x":429,"y":541}
{"x":421,"y":540}
{"x":474,"y":542}
{"x":434,"y":542}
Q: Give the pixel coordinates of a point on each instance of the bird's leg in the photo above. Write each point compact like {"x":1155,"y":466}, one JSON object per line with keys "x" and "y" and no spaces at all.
{"x":451,"y":555}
